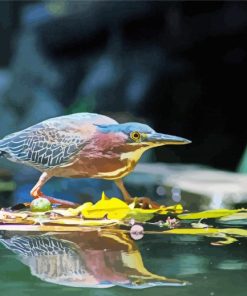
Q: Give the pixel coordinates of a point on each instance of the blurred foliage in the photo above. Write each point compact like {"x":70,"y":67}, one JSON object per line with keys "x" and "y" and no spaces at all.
{"x":85,"y":104}
{"x":7,"y":185}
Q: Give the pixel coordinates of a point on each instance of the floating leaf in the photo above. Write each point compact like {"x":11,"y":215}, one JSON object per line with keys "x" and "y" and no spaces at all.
{"x":112,"y":208}
{"x":78,"y":210}
{"x":208,"y":214}
{"x":237,"y":218}
{"x":141,"y":215}
{"x":177,"y":209}
{"x":192,"y":231}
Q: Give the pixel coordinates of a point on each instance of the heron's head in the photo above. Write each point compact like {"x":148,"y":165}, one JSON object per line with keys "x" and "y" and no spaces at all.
{"x":138,"y":136}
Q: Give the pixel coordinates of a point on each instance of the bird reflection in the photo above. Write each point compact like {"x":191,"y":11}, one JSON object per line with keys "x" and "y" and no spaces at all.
{"x":95,"y":258}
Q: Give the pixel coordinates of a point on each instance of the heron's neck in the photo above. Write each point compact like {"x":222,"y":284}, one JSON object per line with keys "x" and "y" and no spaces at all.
{"x":134,"y":155}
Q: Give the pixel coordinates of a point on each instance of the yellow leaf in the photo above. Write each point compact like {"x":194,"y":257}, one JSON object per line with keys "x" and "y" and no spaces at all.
{"x":115,"y":208}
{"x":208,"y":214}
{"x":104,"y":197}
{"x":177,"y":209}
{"x":143,"y":215}
{"x":192,"y":231}
{"x":112,"y":208}
{"x":78,"y":210}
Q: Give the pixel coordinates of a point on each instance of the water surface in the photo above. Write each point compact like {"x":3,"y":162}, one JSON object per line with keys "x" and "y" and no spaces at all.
{"x":78,"y":263}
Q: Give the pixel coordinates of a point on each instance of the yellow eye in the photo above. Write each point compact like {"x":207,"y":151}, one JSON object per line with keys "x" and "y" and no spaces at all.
{"x":135,"y":136}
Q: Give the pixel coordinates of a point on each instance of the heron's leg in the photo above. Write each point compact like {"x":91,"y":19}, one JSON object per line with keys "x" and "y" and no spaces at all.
{"x":125,"y":193}
{"x":145,"y":201}
{"x":36,"y":191}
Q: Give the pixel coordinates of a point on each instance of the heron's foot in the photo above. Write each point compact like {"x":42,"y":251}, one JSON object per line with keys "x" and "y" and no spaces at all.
{"x":143,"y":202}
{"x":54,"y":200}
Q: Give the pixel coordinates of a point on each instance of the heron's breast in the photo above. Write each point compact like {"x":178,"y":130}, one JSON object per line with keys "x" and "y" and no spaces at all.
{"x":103,"y":168}
{"x":110,"y":164}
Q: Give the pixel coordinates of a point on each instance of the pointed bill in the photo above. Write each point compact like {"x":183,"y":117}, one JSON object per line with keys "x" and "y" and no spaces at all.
{"x":163,"y":139}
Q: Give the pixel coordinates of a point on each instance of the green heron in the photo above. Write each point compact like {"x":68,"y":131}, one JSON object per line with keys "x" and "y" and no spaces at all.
{"x":82,"y":145}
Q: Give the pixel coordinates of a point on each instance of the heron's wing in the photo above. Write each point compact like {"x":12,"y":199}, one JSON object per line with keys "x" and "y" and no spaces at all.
{"x":43,"y":146}
{"x":53,"y":142}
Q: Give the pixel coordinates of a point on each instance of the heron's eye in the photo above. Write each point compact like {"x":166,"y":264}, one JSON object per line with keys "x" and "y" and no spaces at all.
{"x":135,"y":136}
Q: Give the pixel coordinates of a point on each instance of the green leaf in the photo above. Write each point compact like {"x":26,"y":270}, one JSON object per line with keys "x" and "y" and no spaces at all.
{"x":141,"y":215}
{"x":237,"y":218}
{"x":218,"y":213}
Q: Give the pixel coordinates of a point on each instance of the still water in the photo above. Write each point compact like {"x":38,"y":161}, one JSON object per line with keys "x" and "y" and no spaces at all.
{"x":76,"y":263}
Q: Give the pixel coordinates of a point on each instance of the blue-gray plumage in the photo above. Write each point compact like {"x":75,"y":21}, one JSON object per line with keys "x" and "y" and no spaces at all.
{"x":83,"y":145}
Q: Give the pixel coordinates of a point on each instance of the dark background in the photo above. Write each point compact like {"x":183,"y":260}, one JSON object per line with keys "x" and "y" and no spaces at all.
{"x":180,"y":66}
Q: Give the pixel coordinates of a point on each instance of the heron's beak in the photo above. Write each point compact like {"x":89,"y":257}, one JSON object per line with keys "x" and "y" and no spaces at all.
{"x":162,"y":139}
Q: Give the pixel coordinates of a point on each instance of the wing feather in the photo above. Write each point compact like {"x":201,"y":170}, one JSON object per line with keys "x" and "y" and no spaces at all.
{"x":43,"y":147}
